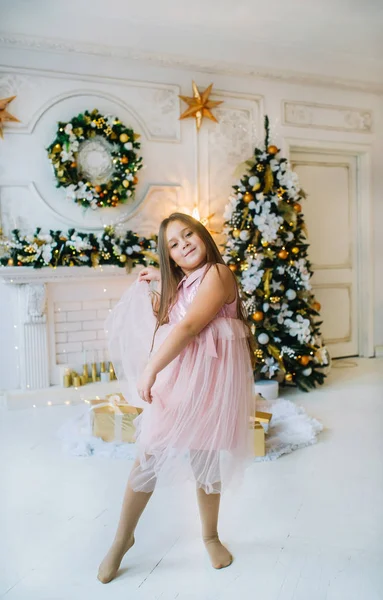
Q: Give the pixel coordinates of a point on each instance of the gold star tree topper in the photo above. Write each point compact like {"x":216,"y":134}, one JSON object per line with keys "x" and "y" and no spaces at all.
{"x":200,"y":105}
{"x":4,"y":114}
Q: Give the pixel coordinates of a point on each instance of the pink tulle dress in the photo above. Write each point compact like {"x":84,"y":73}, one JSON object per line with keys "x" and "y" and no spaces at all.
{"x":197,"y":426}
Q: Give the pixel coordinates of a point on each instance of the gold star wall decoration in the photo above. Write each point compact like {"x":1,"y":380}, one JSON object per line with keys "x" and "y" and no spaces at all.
{"x":199,"y":105}
{"x":4,"y":114}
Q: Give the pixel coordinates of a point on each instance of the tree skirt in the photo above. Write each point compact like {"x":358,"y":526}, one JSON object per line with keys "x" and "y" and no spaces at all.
{"x":290,"y":429}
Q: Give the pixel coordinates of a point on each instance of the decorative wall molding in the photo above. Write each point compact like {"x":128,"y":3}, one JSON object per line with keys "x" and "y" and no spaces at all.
{"x":162,"y":197}
{"x":168,"y":60}
{"x":36,"y":303}
{"x":223,"y":146}
{"x":154,"y":106}
{"x":327,"y":116}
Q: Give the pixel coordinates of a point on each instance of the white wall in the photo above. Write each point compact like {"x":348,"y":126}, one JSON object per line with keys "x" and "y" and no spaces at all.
{"x":181,"y":166}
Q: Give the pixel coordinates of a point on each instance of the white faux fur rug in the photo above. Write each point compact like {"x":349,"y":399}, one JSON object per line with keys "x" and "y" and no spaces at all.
{"x":290,"y":429}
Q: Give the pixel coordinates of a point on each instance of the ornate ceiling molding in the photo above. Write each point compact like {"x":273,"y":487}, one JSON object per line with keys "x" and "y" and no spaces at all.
{"x":202,"y":65}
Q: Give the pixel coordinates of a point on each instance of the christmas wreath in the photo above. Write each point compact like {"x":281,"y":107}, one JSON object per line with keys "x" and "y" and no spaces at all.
{"x":95,"y":158}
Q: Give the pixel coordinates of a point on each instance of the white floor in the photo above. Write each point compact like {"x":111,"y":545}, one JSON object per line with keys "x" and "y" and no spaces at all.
{"x":308,"y":526}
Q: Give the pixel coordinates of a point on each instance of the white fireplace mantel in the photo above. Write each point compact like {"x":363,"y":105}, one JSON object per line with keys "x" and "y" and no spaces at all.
{"x":29,"y":275}
{"x":33,"y":294}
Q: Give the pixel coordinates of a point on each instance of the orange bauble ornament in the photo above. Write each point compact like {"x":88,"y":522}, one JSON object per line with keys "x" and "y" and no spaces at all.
{"x":98,"y":188}
{"x":247,"y":197}
{"x":283,"y":254}
{"x":304,"y":360}
{"x":233,"y":268}
{"x":272,"y":150}
{"x":288,"y":377}
{"x":316,"y":306}
{"x":297,"y":207}
{"x":124,"y":160}
{"x":257,"y":316}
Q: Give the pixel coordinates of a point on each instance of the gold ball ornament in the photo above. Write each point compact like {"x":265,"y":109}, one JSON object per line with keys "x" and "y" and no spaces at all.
{"x":56,"y":148}
{"x":256,"y":187}
{"x":264,"y":243}
{"x":317,"y":306}
{"x":257,"y":316}
{"x":124,"y":138}
{"x":236,"y":233}
{"x":123,"y":258}
{"x":247,"y":198}
{"x":126,"y":183}
{"x":288,"y":377}
{"x":304,"y":360}
{"x":115,"y":198}
{"x":283,"y":254}
{"x":297,"y":207}
{"x":295,"y":250}
{"x":272,"y":150}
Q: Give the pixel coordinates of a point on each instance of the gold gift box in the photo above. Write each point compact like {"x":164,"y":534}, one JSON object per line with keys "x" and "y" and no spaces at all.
{"x":113,"y":422}
{"x":259,"y":439}
{"x":264,"y":418}
{"x":260,"y":425}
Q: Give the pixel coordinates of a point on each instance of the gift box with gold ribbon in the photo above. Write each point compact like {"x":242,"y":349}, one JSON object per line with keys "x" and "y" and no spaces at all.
{"x":264,"y":419}
{"x":260,"y":425}
{"x":112,"y":419}
{"x":259,"y":439}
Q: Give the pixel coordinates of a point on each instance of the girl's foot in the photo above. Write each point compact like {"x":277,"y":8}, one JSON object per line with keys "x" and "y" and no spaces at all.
{"x":111,"y":563}
{"x":219,"y":555}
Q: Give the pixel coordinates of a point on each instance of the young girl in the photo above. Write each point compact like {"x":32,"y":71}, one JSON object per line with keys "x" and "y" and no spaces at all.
{"x":197,"y":385}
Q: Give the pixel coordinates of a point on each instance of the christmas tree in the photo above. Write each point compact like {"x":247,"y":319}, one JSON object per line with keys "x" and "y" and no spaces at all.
{"x":267,"y":248}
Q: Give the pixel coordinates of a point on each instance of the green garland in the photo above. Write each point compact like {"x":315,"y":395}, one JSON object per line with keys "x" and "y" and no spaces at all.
{"x":58,"y":249}
{"x":120,"y":142}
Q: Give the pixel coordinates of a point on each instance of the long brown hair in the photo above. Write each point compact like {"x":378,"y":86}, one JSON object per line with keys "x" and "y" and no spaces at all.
{"x":171,"y":274}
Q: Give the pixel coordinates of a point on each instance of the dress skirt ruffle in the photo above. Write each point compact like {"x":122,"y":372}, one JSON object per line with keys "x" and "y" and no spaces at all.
{"x":197,"y":426}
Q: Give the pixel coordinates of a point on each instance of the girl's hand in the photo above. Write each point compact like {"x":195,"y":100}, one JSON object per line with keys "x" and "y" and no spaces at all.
{"x":149,"y":274}
{"x":145,"y":384}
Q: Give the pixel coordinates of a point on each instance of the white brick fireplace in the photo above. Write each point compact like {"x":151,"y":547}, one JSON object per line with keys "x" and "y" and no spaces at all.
{"x":59,"y":317}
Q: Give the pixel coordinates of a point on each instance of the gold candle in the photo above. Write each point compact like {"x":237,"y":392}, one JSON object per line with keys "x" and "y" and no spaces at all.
{"x":76,"y":381}
{"x":94,"y":372}
{"x":67,"y":381}
{"x":111,"y":371}
{"x":85,"y":373}
{"x":102,"y":367}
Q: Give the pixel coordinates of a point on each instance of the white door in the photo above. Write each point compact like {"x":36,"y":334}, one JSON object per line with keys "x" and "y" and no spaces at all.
{"x":329,"y":181}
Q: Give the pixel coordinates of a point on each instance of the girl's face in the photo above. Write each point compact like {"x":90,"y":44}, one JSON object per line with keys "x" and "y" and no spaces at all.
{"x":186,"y":248}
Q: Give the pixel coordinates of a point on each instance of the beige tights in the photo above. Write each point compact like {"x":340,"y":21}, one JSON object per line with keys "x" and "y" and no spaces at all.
{"x":209,"y":509}
{"x":133,"y":506}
